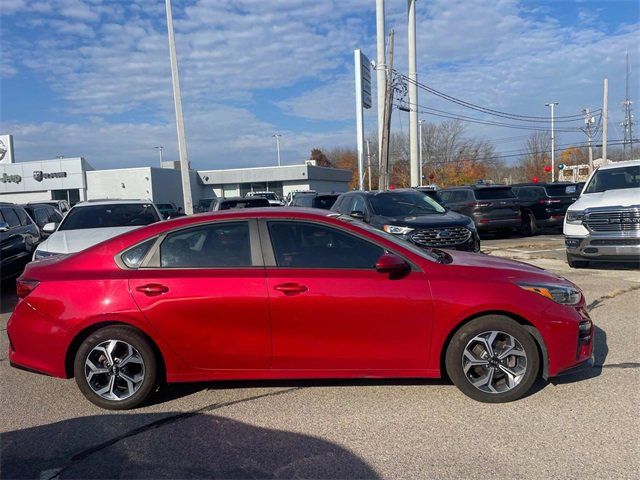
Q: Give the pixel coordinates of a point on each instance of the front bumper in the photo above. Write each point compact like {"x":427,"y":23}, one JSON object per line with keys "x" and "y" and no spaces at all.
{"x":587,"y":364}
{"x":472,"y":244}
{"x":604,"y":247}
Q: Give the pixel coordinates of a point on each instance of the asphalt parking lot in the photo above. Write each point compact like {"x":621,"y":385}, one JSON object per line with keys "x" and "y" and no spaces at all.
{"x":586,"y":425}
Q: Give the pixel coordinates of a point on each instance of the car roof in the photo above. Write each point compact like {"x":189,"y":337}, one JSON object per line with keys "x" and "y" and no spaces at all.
{"x":628,"y":163}
{"x":476,"y":187}
{"x":89,"y":203}
{"x":542,"y":184}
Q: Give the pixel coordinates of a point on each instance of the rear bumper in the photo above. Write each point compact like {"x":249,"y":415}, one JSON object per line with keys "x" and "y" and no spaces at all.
{"x":484,"y":223}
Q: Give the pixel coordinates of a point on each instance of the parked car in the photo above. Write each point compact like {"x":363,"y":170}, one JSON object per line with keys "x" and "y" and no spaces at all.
{"x":604,"y":223}
{"x":61,"y":205}
{"x":89,"y":223}
{"x":492,"y":207}
{"x":203,"y":205}
{"x":19,"y":236}
{"x":291,"y":195}
{"x":544,"y":204}
{"x":273,"y":198}
{"x":222,"y":203}
{"x":412,"y":216}
{"x":315,"y":200}
{"x":167,"y":210}
{"x":275,"y":293}
{"x":42,"y":214}
{"x":431,"y":191}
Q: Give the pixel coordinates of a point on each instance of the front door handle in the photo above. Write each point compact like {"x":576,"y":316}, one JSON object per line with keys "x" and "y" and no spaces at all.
{"x":152,"y":289}
{"x":291,"y":288}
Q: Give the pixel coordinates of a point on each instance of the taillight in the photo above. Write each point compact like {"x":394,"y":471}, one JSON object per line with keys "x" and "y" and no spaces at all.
{"x":25,"y":286}
{"x":549,"y":201}
{"x":479,"y":204}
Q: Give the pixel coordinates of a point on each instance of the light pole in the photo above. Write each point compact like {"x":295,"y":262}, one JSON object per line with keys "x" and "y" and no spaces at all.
{"x":413,"y":97}
{"x":277,"y":137}
{"x":160,"y":148}
{"x":420,"y":149}
{"x":553,"y":142}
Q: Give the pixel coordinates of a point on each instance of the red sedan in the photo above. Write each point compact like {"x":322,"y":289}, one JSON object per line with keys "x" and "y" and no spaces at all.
{"x":279,"y":293}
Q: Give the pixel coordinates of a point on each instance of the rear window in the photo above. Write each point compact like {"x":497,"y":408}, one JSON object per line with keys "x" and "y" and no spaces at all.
{"x":106,"y":216}
{"x":494,"y":193}
{"x":561,"y":190}
{"x":246,"y":203}
{"x":614,"y":179}
{"x":324,"y":202}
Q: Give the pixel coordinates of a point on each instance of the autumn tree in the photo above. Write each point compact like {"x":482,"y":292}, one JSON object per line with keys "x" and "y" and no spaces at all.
{"x":320,"y":158}
{"x":537,"y":156}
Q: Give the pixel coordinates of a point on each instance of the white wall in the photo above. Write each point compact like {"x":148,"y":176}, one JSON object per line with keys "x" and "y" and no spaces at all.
{"x":119,"y":183}
{"x":25,"y":197}
{"x":288,"y":187}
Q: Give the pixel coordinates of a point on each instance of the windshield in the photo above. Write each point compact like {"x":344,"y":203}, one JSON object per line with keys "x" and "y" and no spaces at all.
{"x":247,"y":203}
{"x":403,"y":204}
{"x":494,"y":193}
{"x":392,"y":238}
{"x":267,"y":195}
{"x":614,"y":179}
{"x":106,"y":216}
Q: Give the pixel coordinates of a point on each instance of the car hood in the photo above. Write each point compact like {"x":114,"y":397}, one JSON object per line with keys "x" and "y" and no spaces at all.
{"x":609,"y":198}
{"x":509,"y":269}
{"x":447,"y":219}
{"x":71,"y":241}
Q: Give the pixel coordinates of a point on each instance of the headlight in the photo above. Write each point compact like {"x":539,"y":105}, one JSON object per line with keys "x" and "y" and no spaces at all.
{"x":575,"y":217}
{"x":471,"y":225}
{"x":396,"y":230}
{"x":558,"y":293}
{"x":40,"y":254}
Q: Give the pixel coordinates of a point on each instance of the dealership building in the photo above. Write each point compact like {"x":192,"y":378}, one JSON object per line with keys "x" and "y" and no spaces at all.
{"x":74,"y":180}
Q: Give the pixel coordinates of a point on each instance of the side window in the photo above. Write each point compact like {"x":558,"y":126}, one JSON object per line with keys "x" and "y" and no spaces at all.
{"x":10,"y":217}
{"x":133,"y":257}
{"x":54,"y":216}
{"x":22,"y":215}
{"x":458,"y":196}
{"x":445,"y":196}
{"x":358,"y":204}
{"x":307,"y":245}
{"x":346,"y":206}
{"x":303,"y":201}
{"x":208,"y":246}
{"x":41,"y":216}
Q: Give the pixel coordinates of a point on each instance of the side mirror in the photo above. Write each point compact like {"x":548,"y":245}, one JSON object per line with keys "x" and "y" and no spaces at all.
{"x":50,"y":227}
{"x":393,"y":265}
{"x":357,"y":214}
{"x":4,"y":226}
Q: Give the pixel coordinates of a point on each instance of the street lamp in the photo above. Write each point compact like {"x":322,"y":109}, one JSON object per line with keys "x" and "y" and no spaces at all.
{"x":160,"y":148}
{"x":277,"y":137}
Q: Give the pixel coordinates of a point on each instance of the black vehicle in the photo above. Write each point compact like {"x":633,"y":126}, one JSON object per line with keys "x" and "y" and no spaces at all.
{"x":544,"y":204}
{"x":203,"y":205}
{"x":492,"y":207}
{"x":411,"y":216}
{"x":315,"y":200}
{"x":61,"y":205}
{"x":222,"y":203}
{"x":19,"y":236}
{"x":167,"y":210}
{"x":43,"y":213}
{"x":431,"y":192}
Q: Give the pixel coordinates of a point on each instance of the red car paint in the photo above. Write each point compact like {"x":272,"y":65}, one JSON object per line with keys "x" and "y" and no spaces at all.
{"x":233,"y":323}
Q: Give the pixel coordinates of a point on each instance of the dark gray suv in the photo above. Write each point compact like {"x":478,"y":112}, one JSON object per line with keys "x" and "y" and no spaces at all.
{"x":19,"y":237}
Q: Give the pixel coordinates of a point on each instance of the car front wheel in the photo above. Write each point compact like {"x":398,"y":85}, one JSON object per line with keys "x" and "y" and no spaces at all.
{"x":493,"y":359}
{"x":116,"y":368}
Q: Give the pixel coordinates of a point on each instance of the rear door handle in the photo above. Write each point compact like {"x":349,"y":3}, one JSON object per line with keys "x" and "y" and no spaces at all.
{"x":152,"y":289}
{"x":291,"y":288}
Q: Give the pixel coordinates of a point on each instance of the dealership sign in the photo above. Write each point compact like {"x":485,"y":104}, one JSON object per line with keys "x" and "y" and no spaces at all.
{"x":39,"y":175}
{"x":10,"y":178}
{"x":6,"y":149}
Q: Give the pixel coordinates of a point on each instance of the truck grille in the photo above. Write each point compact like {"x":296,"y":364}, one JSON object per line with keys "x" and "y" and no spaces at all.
{"x":441,"y":237}
{"x":613,"y":221}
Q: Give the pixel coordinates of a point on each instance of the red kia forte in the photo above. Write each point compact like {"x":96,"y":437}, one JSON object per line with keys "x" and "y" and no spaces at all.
{"x":279,"y":293}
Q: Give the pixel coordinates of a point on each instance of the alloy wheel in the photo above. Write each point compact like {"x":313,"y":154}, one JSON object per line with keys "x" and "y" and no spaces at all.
{"x":494,"y":362}
{"x":114,"y":370}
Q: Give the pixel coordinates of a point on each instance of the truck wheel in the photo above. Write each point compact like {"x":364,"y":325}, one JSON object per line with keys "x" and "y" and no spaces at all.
{"x":574,"y":263}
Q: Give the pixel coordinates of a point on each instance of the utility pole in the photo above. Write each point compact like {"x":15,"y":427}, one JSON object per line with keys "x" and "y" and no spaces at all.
{"x":627,"y":123}
{"x":420,"y":150}
{"x":383,"y":182}
{"x":182,"y":143}
{"x":381,"y":74}
{"x":413,"y":96}
{"x":553,"y":143}
{"x":160,"y":148}
{"x":277,"y":137}
{"x":369,"y":164}
{"x":589,"y":121}
{"x":605,"y":109}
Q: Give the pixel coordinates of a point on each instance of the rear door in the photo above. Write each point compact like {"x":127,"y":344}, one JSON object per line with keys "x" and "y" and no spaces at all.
{"x":204,"y":291}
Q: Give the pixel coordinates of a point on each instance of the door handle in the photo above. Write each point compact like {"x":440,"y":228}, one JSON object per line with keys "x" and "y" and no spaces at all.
{"x":291,"y":288}
{"x":152,"y":289}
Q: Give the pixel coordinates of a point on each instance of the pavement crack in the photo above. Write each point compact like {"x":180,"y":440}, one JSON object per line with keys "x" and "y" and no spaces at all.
{"x":619,"y":365}
{"x":616,"y":293}
{"x":84,"y":454}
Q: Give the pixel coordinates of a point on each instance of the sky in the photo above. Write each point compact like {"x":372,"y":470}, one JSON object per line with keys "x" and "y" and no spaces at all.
{"x":92,"y":78}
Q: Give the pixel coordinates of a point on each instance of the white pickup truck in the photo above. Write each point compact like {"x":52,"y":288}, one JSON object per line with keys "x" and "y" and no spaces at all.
{"x":604,"y":223}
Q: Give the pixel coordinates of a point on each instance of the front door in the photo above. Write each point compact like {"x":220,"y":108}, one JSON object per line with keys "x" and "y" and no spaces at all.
{"x":330,"y":308}
{"x":207,"y":296}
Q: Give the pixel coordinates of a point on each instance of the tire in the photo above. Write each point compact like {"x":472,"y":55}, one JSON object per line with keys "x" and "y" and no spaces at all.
{"x":529,"y":227}
{"x":494,"y":384}
{"x":128,"y":380}
{"x":574,"y":263}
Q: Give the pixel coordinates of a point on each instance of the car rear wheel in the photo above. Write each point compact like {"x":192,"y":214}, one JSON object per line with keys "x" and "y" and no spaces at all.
{"x":493,"y":359}
{"x":574,"y":263}
{"x":529,"y":227}
{"x":116,"y":368}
